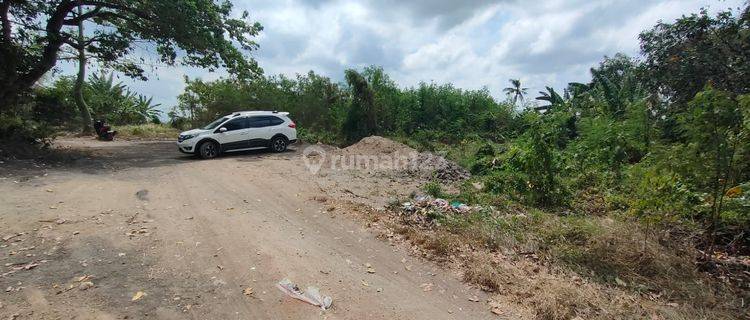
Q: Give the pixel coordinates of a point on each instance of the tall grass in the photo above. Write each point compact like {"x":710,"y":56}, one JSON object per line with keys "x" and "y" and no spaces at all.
{"x":148,"y":131}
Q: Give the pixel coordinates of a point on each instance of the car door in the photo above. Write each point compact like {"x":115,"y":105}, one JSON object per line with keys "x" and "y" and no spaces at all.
{"x":258,"y":131}
{"x":274,"y":126}
{"x":236,"y":134}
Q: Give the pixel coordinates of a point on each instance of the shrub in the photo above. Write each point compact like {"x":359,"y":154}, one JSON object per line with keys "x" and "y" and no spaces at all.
{"x":433,"y":188}
{"x":326,"y":137}
{"x":19,"y":130}
{"x":147,"y":131}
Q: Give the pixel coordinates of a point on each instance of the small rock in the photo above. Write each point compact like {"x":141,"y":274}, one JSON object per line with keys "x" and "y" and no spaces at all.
{"x":85,"y":285}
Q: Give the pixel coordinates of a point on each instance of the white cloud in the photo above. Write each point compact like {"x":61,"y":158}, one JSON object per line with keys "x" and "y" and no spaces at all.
{"x":471,"y":43}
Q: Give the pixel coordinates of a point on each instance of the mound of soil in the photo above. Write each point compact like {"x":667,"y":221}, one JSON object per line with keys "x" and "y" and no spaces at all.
{"x":442,"y":168}
{"x":378,"y":145}
{"x":392,"y":155}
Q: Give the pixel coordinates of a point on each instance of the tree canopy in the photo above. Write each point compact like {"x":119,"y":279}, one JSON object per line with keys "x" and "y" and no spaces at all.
{"x":201,"y":33}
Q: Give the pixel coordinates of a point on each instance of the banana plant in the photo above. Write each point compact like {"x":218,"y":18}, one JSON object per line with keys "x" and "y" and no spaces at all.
{"x":550,"y":96}
{"x":146,"y":108}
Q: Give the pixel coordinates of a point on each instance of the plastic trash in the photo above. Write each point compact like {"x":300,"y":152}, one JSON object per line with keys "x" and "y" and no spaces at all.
{"x":422,"y":199}
{"x":311,"y":295}
{"x":441,"y":203}
{"x":407,"y":206}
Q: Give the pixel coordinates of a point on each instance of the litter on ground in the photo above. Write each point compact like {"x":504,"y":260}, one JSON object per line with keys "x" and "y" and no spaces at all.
{"x":311,"y":295}
{"x":423,"y":209}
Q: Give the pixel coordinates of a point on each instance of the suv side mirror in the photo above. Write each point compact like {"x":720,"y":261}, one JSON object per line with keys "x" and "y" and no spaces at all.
{"x":223,"y":129}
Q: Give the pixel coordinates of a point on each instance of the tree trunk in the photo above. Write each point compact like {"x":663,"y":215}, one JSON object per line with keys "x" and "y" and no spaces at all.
{"x":78,"y":89}
{"x":17,"y":80}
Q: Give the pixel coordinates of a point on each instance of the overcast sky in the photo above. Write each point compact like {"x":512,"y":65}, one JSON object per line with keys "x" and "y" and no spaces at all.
{"x":471,"y":43}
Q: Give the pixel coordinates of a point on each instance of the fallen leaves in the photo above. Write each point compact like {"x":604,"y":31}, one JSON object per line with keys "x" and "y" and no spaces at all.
{"x":135,"y":232}
{"x":138,"y":295}
{"x":497,"y":311}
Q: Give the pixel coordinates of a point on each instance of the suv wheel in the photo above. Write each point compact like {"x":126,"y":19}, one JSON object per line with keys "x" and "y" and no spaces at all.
{"x":279,"y":144}
{"x":209,"y":150}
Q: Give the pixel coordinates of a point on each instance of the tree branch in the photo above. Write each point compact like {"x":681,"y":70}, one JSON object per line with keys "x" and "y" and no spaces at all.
{"x":54,"y":41}
{"x":67,"y":40}
{"x":88,"y":15}
{"x":116,"y":6}
{"x":4,"y":8}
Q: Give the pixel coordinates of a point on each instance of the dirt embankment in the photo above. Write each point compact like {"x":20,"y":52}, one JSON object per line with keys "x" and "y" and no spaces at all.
{"x":406,"y":160}
{"x":377,"y":171}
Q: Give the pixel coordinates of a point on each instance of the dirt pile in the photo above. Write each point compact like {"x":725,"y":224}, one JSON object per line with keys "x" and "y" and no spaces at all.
{"x":378,"y":145}
{"x":441,"y":168}
{"x":380,"y":154}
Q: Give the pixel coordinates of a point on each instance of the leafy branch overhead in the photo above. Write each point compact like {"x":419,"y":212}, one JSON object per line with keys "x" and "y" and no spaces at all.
{"x":200,"y":33}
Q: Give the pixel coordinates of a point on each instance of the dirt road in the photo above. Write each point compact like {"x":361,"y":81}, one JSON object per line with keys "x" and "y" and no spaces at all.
{"x":83,"y":238}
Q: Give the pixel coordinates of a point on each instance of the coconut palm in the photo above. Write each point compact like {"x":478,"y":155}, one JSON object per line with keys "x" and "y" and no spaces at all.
{"x":515,"y":91}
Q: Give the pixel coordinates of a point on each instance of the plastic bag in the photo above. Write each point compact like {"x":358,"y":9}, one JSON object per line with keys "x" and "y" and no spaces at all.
{"x":311,"y":295}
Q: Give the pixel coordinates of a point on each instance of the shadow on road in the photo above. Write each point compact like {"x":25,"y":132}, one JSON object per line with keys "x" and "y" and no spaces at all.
{"x":95,"y":157}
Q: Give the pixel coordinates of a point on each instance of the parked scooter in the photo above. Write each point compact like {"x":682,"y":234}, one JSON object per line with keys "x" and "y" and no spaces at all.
{"x":104,"y":131}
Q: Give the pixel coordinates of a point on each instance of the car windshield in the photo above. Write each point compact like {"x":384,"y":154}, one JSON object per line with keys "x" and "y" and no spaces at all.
{"x":215,"y":124}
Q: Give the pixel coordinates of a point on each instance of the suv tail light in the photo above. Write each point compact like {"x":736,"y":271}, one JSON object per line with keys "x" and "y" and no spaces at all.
{"x":292,"y":125}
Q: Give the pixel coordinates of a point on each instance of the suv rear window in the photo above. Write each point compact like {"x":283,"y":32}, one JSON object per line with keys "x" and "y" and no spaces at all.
{"x":264,"y":121}
{"x":275,"y":121}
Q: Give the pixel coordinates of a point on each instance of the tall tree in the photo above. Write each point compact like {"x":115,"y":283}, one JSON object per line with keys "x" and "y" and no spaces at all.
{"x":682,"y":57}
{"x":515,"y":91}
{"x":83,"y":109}
{"x":361,"y":121}
{"x":199,"y":33}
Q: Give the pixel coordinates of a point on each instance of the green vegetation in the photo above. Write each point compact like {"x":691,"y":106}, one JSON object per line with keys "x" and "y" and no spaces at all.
{"x":640,"y":176}
{"x":106,"y":99}
{"x":618,"y":176}
{"x":149,"y":131}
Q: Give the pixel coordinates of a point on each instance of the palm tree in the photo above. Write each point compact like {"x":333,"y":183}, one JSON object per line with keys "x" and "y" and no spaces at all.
{"x":515,"y":91}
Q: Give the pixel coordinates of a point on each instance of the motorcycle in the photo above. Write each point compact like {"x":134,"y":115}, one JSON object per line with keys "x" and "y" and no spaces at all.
{"x":104,"y":131}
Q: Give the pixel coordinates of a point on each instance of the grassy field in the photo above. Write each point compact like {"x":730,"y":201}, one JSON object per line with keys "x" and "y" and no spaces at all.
{"x":147,"y":132}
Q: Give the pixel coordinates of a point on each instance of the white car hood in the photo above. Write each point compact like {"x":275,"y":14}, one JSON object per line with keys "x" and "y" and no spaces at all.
{"x":194,"y":132}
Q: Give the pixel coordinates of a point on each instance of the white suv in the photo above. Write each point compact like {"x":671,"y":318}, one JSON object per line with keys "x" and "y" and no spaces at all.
{"x":240,"y":131}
